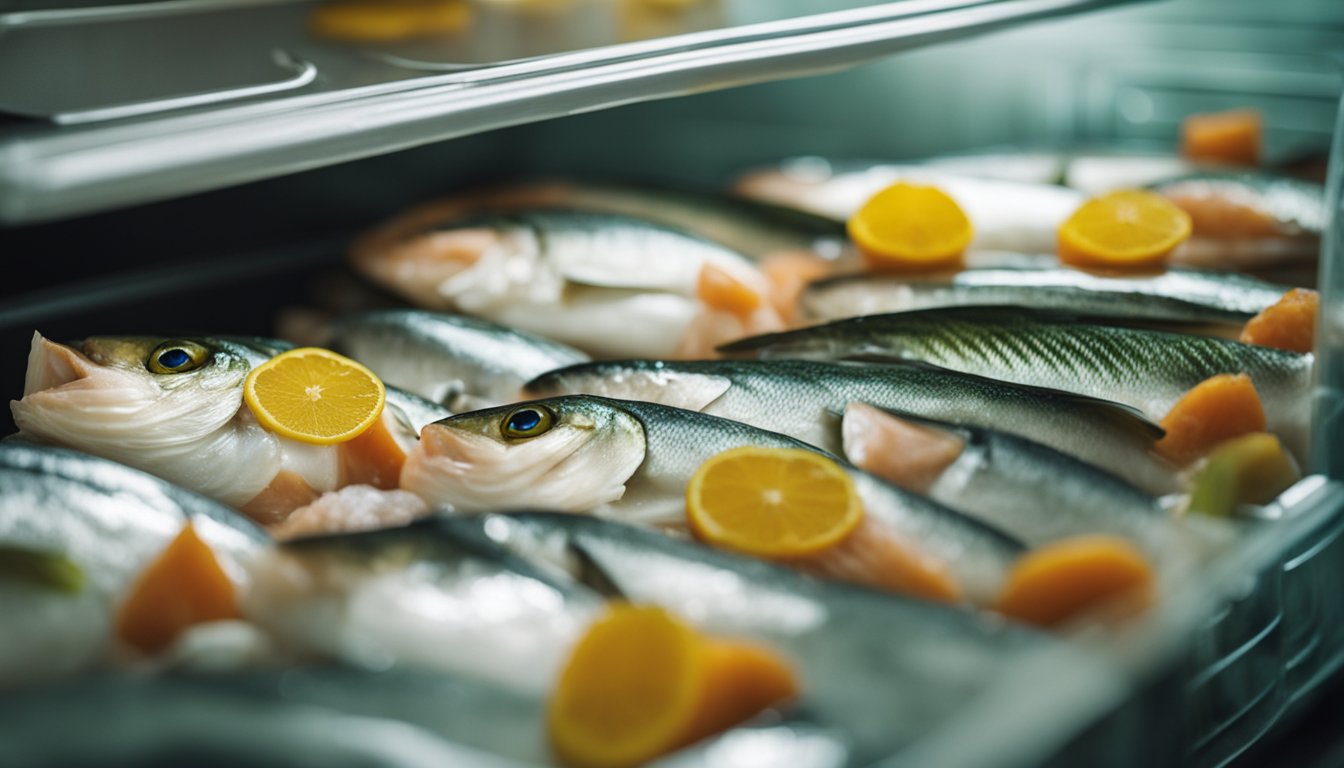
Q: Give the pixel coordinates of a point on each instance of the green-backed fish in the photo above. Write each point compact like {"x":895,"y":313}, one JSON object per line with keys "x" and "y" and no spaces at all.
{"x":174,"y":407}
{"x":800,"y":398}
{"x":1180,"y":295}
{"x":462,"y":362}
{"x":1148,"y":370}
{"x":632,"y":461}
{"x":575,"y":276}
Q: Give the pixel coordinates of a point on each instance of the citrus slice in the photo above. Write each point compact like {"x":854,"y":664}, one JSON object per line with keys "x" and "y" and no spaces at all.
{"x":314,"y":396}
{"x":374,"y":21}
{"x":641,"y":683}
{"x":907,"y":226}
{"x":1226,"y":137}
{"x":1126,"y":228}
{"x":772,"y":502}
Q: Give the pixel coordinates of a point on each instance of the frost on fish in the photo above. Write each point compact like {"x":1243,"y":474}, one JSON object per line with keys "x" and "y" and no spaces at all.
{"x":571,"y":276}
{"x":407,"y":599}
{"x":352,"y":508}
{"x":191,"y":427}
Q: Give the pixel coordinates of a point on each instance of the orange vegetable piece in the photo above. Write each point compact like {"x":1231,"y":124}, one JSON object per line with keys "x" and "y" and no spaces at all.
{"x":373,"y":458}
{"x":720,"y":289}
{"x":789,"y":272}
{"x":377,"y":21}
{"x":876,"y":557}
{"x":1217,"y":409}
{"x":911,"y":227}
{"x":1127,"y":229}
{"x":183,"y":587}
{"x":1060,"y":580}
{"x":1228,"y":137}
{"x":641,"y":683}
{"x":1290,"y":323}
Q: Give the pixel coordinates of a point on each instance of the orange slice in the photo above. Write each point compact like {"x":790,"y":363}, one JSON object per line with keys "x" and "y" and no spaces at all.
{"x":1062,"y":579}
{"x":183,"y":587}
{"x":772,"y":502}
{"x":314,"y":396}
{"x":1128,"y":228}
{"x":641,"y":683}
{"x":907,"y":226}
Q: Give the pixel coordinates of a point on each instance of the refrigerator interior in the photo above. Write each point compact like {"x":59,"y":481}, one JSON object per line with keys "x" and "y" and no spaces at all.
{"x":1216,"y":668}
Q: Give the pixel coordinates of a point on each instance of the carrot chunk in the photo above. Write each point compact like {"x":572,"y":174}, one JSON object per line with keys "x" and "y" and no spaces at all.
{"x":1227,"y":137}
{"x":641,"y":683}
{"x":722,"y":290}
{"x":1217,"y":409}
{"x":373,"y":458}
{"x":1064,"y":578}
{"x":1289,"y":323}
{"x":183,"y":587}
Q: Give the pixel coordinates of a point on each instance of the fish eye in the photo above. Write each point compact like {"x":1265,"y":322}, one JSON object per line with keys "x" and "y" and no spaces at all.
{"x":177,"y":357}
{"x":528,"y":421}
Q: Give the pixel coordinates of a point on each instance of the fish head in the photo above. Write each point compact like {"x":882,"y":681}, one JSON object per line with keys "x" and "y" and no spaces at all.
{"x":571,"y":454}
{"x":652,"y":381}
{"x":131,"y":391}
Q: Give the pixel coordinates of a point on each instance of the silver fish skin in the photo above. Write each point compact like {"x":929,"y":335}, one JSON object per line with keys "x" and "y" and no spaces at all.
{"x":751,"y":228}
{"x":1020,"y":486}
{"x":1251,"y":221}
{"x":1149,"y":370}
{"x":461,"y":362}
{"x":1174,"y":295}
{"x":189,"y":424}
{"x":632,"y":460}
{"x":800,"y":398}
{"x":416,"y":597}
{"x":106,"y":520}
{"x":570,"y":275}
{"x":295,"y":717}
{"x":881,"y":695}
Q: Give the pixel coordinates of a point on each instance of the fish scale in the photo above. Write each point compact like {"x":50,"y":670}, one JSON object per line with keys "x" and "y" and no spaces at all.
{"x":1149,"y":370}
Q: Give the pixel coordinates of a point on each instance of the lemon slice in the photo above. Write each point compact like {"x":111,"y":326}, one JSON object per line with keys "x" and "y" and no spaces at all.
{"x":772,"y":502}
{"x":314,"y":396}
{"x":907,"y":226}
{"x":1127,"y":228}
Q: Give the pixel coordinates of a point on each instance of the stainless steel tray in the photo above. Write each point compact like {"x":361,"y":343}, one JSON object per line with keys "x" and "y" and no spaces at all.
{"x":129,"y":103}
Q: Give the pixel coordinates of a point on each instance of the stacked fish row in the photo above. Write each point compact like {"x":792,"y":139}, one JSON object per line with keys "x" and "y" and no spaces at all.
{"x":983,"y":430}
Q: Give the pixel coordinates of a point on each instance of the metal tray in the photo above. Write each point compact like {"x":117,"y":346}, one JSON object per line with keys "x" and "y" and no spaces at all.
{"x":130,"y":103}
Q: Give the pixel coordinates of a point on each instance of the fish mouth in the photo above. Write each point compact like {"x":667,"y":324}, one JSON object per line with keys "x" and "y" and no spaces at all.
{"x":52,"y":365}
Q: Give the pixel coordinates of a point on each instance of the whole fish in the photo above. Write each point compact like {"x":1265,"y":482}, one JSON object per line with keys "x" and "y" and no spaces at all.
{"x":75,"y":530}
{"x":800,"y":398}
{"x":574,"y":276}
{"x":881,"y":695}
{"x":275,"y":717}
{"x":1006,"y":215}
{"x":1148,"y":370}
{"x":174,"y":407}
{"x":1248,"y":221}
{"x":632,"y":461}
{"x":1176,"y":295}
{"x":751,"y":228}
{"x":1023,"y":487}
{"x":462,"y":362}
{"x":414,"y":596}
